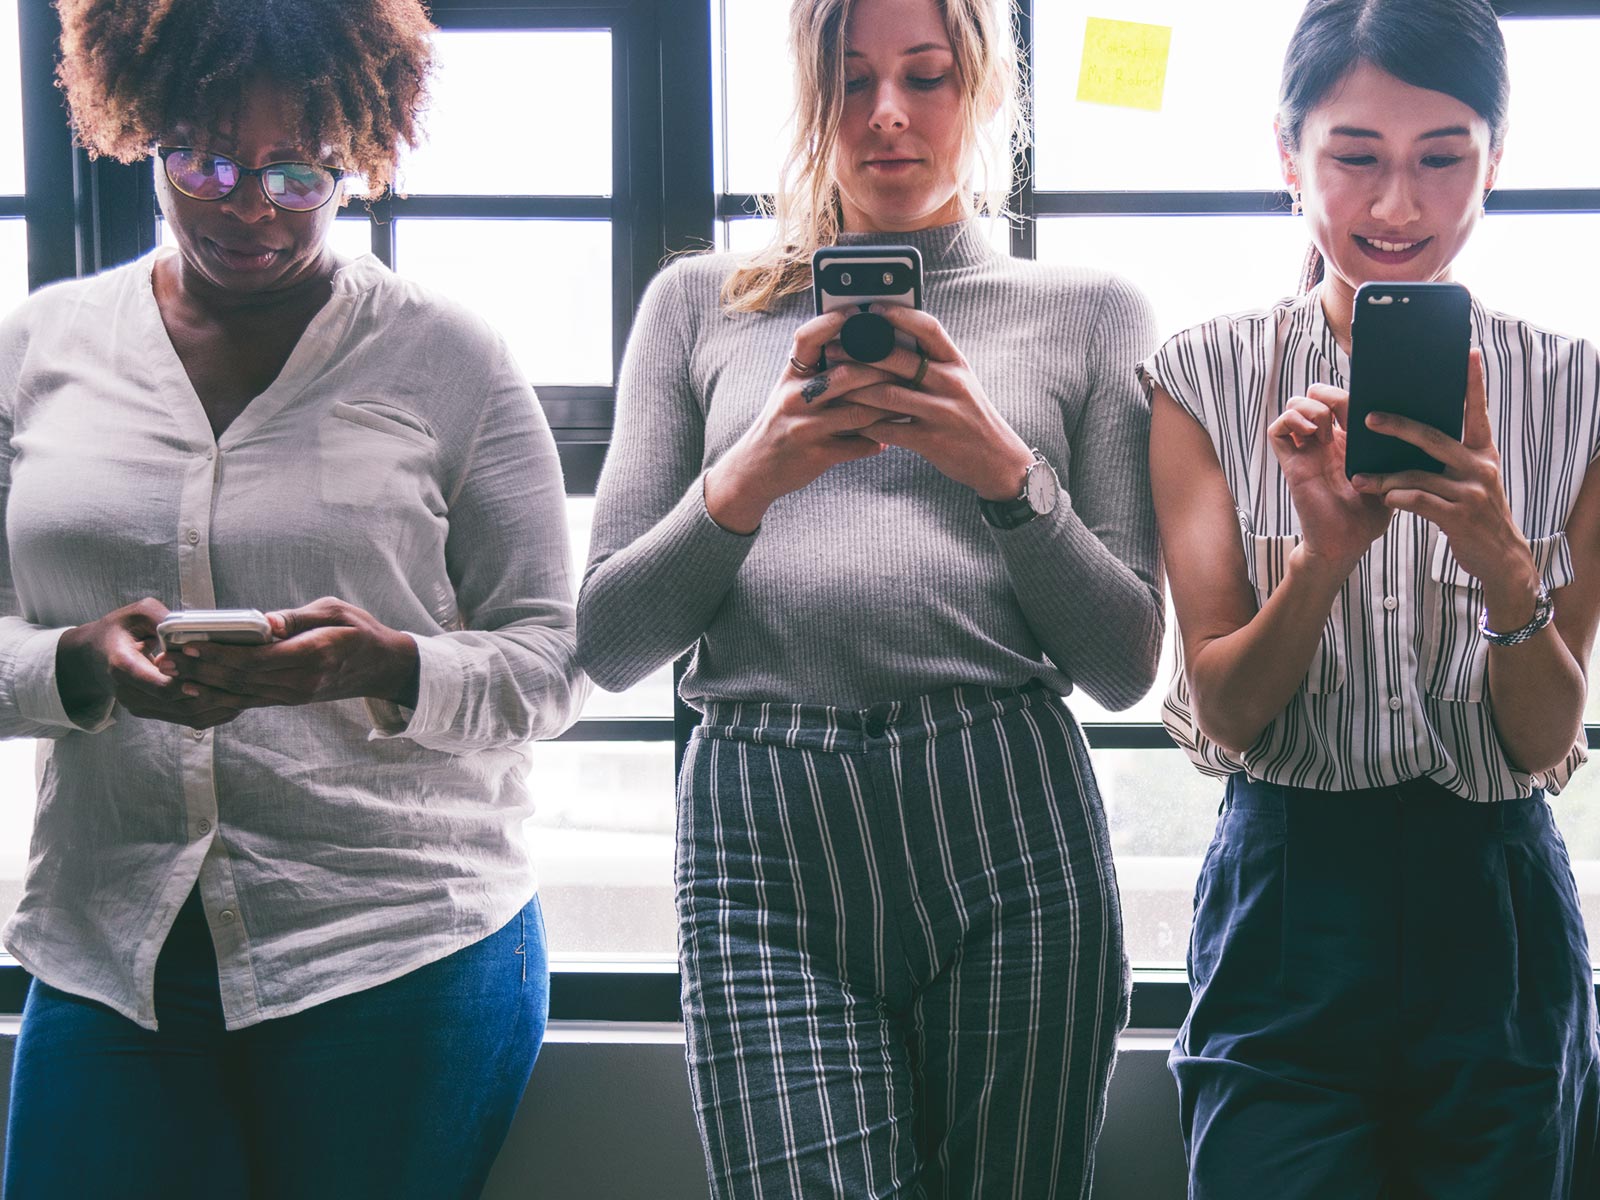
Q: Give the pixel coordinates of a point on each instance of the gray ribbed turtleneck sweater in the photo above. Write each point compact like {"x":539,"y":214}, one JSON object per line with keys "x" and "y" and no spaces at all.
{"x":880,"y":580}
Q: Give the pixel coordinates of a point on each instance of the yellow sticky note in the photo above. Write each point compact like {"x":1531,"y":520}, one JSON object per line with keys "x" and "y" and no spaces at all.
{"x":1124,"y":63}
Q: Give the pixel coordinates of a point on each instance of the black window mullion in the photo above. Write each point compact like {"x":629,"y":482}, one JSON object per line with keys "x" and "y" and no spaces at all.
{"x":1024,"y":243}
{"x":122,"y":206}
{"x":380,"y":213}
{"x":1268,"y":203}
{"x":688,"y":117}
{"x":48,"y":169}
{"x":635,"y":154}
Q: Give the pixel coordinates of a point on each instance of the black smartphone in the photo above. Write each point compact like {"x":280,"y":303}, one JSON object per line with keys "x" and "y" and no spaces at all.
{"x":1408,"y":355}
{"x":853,"y":277}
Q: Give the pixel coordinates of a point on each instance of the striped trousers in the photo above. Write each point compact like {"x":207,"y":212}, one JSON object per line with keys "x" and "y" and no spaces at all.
{"x":901,"y":947}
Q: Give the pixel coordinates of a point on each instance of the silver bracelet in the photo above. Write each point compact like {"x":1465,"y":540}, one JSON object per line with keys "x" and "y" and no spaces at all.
{"x":1543,"y":609}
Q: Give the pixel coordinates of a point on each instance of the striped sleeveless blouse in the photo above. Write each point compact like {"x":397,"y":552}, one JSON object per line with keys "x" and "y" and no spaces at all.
{"x":1398,"y":687}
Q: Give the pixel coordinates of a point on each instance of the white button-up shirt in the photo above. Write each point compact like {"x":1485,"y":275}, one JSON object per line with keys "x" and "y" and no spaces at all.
{"x":399,"y":462}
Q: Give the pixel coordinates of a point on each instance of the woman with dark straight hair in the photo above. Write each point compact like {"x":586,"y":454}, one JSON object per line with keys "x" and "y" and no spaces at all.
{"x":1392,"y":990}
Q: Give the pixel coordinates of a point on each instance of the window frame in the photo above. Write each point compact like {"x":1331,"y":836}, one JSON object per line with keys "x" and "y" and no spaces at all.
{"x":84,"y":216}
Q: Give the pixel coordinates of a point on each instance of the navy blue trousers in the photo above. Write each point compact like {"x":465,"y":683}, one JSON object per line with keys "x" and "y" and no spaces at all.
{"x":1393,"y":997}
{"x":403,"y":1091}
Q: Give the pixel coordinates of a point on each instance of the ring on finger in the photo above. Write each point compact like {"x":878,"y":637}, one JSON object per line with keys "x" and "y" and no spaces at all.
{"x":801,"y":368}
{"x":922,"y":369}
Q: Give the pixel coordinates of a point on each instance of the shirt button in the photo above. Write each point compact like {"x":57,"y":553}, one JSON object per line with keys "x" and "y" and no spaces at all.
{"x":1391,"y":603}
{"x":192,"y":537}
{"x":1394,"y":703}
{"x":204,"y":827}
{"x":210,"y":454}
{"x":225,"y":916}
{"x":198,"y":735}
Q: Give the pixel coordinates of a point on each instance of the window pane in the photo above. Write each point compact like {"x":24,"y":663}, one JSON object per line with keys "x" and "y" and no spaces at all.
{"x":1214,"y":129}
{"x":1577,"y":812}
{"x":545,"y":285}
{"x":10,"y":102}
{"x":13,"y":263}
{"x":16,"y":819}
{"x":1521,"y":264}
{"x":758,"y":93}
{"x":602,"y":842}
{"x":1161,"y":812}
{"x":652,"y":697}
{"x":748,"y":234}
{"x":1552,"y":81}
{"x":351,"y":237}
{"x":516,"y":112}
{"x":1191,"y":268}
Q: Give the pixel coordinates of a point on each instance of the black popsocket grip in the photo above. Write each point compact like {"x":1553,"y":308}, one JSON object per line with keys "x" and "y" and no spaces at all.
{"x":867,"y":337}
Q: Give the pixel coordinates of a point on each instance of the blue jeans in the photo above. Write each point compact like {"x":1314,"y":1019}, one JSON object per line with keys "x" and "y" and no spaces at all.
{"x":1392,"y":999}
{"x":404,"y":1090}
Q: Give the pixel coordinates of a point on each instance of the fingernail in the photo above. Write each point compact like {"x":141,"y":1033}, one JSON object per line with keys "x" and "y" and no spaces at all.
{"x":189,"y":689}
{"x":1359,"y":481}
{"x":1374,"y":420}
{"x":191,"y":652}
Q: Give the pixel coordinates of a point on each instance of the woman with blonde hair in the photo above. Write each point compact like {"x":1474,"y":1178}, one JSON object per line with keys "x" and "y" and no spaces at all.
{"x":900,"y":935}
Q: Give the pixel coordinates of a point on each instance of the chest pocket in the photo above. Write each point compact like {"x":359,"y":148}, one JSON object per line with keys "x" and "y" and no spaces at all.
{"x":1455,"y":658}
{"x":375,"y":455}
{"x":1266,"y":561}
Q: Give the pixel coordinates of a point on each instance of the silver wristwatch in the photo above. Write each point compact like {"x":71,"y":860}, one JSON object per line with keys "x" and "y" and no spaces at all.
{"x":1041,"y":492}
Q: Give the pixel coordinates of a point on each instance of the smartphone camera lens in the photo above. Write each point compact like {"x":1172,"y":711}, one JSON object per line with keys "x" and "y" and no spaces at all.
{"x":845,"y":278}
{"x":888,"y":279}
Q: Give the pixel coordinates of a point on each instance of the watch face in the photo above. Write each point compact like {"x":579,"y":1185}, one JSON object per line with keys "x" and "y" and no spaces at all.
{"x":1043,"y":489}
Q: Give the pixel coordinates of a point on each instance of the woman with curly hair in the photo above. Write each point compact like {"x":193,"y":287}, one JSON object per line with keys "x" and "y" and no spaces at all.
{"x":279,"y":910}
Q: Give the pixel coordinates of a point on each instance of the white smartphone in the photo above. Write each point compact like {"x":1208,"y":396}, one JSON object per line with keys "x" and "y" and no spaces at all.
{"x":231,"y":626}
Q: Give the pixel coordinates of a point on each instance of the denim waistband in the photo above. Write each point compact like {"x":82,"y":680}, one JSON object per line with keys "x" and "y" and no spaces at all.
{"x":848,"y":730}
{"x":1515,"y":812}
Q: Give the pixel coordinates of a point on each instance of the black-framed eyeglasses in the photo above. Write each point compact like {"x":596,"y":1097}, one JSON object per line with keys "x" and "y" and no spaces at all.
{"x":292,"y":186}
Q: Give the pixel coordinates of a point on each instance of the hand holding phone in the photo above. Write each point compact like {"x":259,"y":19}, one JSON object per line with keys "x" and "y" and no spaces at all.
{"x":1408,"y":356}
{"x":110,"y":659}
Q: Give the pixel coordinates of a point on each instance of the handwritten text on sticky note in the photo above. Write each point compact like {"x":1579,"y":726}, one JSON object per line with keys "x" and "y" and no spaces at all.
{"x":1124,"y":63}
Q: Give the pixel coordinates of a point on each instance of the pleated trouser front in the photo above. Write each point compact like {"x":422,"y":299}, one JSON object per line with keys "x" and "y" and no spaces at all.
{"x":901,"y":947}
